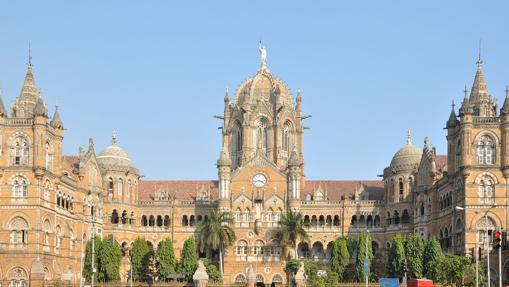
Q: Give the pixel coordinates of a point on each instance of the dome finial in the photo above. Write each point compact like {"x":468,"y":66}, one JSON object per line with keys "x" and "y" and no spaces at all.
{"x":409,"y":137}
{"x":29,"y":55}
{"x":114,"y":137}
{"x":479,"y":61}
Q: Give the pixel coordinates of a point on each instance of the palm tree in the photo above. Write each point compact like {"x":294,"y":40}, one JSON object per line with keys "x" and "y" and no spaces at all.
{"x":216,"y":234}
{"x":291,"y":228}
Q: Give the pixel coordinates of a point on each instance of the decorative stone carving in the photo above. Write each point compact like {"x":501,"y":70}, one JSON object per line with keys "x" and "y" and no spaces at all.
{"x":200,"y":277}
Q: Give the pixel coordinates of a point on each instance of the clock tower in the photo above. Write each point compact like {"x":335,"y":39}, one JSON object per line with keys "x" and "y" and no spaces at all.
{"x":260,"y":165}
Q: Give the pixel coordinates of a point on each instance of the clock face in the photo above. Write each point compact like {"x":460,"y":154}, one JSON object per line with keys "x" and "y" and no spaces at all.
{"x":259,"y":180}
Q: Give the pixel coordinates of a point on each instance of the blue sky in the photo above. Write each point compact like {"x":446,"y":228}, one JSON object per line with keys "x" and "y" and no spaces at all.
{"x":156,"y":72}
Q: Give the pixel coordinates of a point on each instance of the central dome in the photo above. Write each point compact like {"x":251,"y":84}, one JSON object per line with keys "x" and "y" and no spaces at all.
{"x":408,"y":157}
{"x":114,"y":155}
{"x":264,"y":87}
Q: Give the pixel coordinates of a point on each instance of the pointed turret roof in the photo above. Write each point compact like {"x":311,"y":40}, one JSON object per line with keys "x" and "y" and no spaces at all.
{"x":40,"y":109}
{"x":224,"y":158}
{"x":294,"y":159}
{"x":56,"y":122}
{"x":24,"y":105}
{"x":479,"y":90}
{"x":505,"y":106}
{"x":452,"y":117}
{"x":2,"y":107}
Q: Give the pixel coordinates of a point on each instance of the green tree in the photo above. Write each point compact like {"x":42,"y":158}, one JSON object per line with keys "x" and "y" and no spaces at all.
{"x":340,"y":257}
{"x":431,"y":258}
{"x":214,"y":274}
{"x":414,"y":249}
{"x":291,"y":229}
{"x":455,"y":270}
{"x":140,"y":254}
{"x":189,"y":259}
{"x":87,"y":268}
{"x":109,"y":257}
{"x":166,"y":258}
{"x":379,"y":268}
{"x":363,"y":249}
{"x":216,"y":234}
{"x":397,"y":257}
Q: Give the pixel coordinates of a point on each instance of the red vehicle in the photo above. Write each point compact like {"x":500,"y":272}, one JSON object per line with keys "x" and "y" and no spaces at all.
{"x":420,"y":283}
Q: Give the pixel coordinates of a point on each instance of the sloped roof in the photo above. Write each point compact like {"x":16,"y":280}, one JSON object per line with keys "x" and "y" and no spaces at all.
{"x":71,"y":161}
{"x":180,"y":189}
{"x":186,"y":189}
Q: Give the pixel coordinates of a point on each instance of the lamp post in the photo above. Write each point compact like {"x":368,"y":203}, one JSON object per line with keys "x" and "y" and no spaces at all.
{"x":92,"y":211}
{"x":476,"y":254}
{"x":82,"y":239}
{"x":487,"y":246}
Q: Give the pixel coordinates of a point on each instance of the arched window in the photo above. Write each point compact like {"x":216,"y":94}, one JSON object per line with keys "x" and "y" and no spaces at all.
{"x":241,"y":249}
{"x":144,"y":220}
{"x":405,"y":218}
{"x":17,"y":277}
{"x":49,"y":156}
{"x":486,"y":190}
{"x":46,"y":230}
{"x":485,"y":150}
{"x":110,"y":187}
{"x":20,"y":151}
{"x":159,"y":221}
{"x":262,"y":134}
{"x":120,"y":186}
{"x":258,"y":248}
{"x":236,"y":144}
{"x":128,"y":191}
{"x":287,"y":133}
{"x":185,"y":221}
{"x":166,"y":221}
{"x":125,"y":217}
{"x":151,"y":221}
{"x":422,"y":209}
{"x":18,"y":230}
{"x":401,"y":189}
{"x":457,"y":163}
{"x":58,"y":237}
{"x":240,"y":279}
{"x":20,"y":187}
{"x":114,"y":217}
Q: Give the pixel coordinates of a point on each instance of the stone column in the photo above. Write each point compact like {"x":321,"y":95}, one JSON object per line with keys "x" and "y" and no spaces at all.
{"x":251,"y":277}
{"x":200,"y":277}
{"x":37,"y":274}
{"x":300,"y":276}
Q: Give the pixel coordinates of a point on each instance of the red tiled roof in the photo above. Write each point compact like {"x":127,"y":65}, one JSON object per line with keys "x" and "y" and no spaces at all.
{"x":336,"y":189}
{"x":186,"y":189}
{"x":441,"y":161}
{"x":71,"y":160}
{"x":181,"y":189}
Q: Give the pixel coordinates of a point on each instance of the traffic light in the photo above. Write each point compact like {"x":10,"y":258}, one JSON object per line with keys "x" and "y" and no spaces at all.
{"x":497,"y":239}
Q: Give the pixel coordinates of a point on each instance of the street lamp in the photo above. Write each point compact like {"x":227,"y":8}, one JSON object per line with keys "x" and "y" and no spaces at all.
{"x":486,"y":244}
{"x":476,"y":254}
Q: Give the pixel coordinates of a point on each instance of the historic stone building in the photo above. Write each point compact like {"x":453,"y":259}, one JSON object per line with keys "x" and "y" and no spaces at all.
{"x":49,"y":200}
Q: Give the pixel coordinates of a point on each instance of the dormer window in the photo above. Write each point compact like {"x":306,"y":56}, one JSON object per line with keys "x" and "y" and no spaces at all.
{"x":485,"y":150}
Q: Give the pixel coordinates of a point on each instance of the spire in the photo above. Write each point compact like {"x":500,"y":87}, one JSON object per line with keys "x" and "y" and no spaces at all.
{"x":409,"y":137}
{"x":294,"y":159}
{"x":224,"y":158}
{"x":2,"y":107}
{"x":479,"y":88}
{"x":114,"y":138}
{"x":56,"y":122}
{"x":452,"y":117}
{"x":226,"y":96}
{"x":39,"y":109}
{"x":298,"y":106}
{"x":505,"y":106}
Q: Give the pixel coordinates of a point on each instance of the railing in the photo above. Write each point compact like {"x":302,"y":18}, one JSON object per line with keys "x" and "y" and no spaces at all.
{"x":338,"y":202}
{"x":19,"y":121}
{"x":486,"y":120}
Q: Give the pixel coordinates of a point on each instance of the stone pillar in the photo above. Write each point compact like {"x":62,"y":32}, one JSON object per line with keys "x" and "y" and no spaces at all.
{"x":300,"y":276}
{"x":37,"y":274}
{"x":200,"y":277}
{"x":251,"y":277}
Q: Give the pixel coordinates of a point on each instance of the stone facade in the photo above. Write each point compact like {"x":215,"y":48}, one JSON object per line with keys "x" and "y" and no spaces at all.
{"x":49,"y":201}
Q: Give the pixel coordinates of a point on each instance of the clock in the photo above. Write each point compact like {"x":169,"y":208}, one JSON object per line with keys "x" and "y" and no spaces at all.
{"x":259,"y":180}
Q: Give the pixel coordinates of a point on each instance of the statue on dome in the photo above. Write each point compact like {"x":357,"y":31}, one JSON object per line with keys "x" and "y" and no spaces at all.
{"x":263,"y":54}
